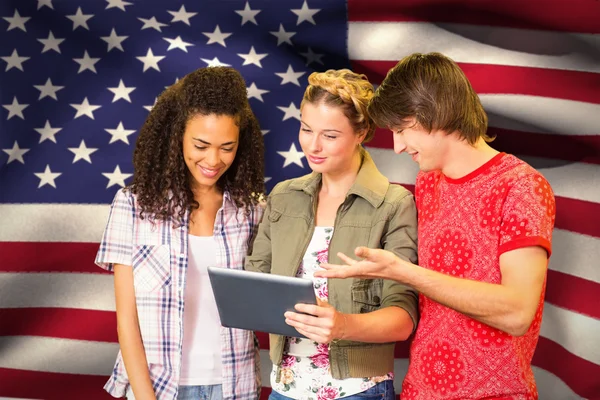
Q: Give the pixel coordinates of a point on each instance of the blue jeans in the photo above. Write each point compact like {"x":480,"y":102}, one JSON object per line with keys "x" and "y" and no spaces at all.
{"x":204,"y":392}
{"x":383,"y":391}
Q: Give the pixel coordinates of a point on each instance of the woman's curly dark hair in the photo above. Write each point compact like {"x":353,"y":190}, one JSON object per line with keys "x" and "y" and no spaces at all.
{"x":161,"y":180}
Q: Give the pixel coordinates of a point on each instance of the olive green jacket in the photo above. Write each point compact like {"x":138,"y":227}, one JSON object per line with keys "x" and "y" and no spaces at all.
{"x":375,"y":214}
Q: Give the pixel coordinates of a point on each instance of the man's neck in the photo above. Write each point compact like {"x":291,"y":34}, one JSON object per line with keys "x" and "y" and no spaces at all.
{"x":464,"y":158}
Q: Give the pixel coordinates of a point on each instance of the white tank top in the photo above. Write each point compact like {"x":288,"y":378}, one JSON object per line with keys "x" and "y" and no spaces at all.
{"x":201,"y":362}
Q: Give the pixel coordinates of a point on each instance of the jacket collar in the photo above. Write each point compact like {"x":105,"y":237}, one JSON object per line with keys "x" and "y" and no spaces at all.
{"x":370,"y":184}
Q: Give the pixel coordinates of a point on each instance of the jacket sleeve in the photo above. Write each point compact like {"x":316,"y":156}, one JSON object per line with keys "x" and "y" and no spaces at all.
{"x":260,"y":258}
{"x":401,"y":239}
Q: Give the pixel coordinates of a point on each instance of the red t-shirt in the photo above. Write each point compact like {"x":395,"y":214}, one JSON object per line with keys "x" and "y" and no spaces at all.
{"x":464,"y":226}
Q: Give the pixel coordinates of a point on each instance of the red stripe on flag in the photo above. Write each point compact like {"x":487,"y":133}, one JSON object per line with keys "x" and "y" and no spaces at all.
{"x":579,"y":374}
{"x":51,"y":386}
{"x":65,"y":323}
{"x":578,"y":216}
{"x":573,"y":293}
{"x":49,"y":257}
{"x":491,"y":79}
{"x":560,"y":147}
{"x":554,"y":15}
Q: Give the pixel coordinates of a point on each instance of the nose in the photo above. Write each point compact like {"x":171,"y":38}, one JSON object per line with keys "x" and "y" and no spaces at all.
{"x":314,"y":145}
{"x":399,"y":145}
{"x":212,"y":158}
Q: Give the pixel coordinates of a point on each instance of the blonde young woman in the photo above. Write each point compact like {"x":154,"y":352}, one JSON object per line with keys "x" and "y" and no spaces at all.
{"x":344,"y":203}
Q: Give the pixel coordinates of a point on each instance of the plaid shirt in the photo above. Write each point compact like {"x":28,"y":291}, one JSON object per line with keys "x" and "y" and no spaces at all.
{"x":159,"y":256}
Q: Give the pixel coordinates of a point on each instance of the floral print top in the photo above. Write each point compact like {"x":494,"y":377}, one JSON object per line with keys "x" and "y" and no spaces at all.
{"x":305,"y":372}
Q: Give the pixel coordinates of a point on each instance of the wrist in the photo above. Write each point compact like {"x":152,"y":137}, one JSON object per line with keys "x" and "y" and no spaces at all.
{"x":342,"y":335}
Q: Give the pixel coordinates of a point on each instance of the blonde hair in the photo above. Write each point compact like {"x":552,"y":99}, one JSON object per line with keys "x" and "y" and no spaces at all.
{"x":345,"y":89}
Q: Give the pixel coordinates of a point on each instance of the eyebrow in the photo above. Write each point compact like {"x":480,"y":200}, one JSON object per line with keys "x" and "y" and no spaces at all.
{"x":324,"y":130}
{"x":208,"y":143}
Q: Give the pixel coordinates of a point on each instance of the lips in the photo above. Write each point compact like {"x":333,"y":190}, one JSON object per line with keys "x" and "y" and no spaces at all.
{"x":316,"y":160}
{"x":209,"y":172}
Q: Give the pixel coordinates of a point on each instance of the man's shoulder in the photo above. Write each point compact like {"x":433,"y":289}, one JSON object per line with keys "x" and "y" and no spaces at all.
{"x":519,"y":173}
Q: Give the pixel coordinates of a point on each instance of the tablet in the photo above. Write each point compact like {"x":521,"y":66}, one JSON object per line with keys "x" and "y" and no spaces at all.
{"x":257,"y":301}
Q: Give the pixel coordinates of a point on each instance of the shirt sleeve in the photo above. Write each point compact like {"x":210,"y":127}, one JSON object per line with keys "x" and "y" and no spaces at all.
{"x":401,"y":239}
{"x":528,"y":214}
{"x":117,"y":240}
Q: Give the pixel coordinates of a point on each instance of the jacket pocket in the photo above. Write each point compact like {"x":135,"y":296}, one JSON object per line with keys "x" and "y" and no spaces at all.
{"x":151,"y":268}
{"x":274,"y":216}
{"x":366,"y":295}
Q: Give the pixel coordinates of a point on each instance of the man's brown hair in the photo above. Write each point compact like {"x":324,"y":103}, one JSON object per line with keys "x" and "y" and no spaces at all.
{"x":434,"y":90}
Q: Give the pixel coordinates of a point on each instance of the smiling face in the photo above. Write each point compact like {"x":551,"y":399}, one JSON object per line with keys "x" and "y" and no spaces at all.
{"x":327,"y":138}
{"x":210,"y":143}
{"x":428,"y":149}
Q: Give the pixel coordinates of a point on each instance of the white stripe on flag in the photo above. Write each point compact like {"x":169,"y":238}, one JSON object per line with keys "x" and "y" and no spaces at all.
{"x":57,"y":289}
{"x":45,"y":354}
{"x":463,"y":43}
{"x":53,"y":222}
{"x":541,"y":114}
{"x":577,"y":333}
{"x":575,"y":254}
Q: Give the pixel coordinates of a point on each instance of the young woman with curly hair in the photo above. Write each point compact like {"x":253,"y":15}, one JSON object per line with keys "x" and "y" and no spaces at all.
{"x":193,"y":203}
{"x":344,"y":203}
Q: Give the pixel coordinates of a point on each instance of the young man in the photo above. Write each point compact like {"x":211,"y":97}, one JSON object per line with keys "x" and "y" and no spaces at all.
{"x":485,"y":228}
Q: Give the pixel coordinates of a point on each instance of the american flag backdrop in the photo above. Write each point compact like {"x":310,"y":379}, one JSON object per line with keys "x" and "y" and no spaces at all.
{"x":78,"y":78}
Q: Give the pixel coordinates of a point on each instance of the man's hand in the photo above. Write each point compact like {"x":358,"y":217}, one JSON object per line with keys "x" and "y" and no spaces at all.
{"x":323,"y":324}
{"x":376,"y":263}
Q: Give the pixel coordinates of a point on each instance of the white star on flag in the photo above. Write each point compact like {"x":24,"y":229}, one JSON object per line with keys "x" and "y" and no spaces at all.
{"x":264,"y":131}
{"x":149,"y":108}
{"x":290,"y":76}
{"x":48,"y":90}
{"x":215,"y":62}
{"x":14,"y":61}
{"x":255,"y":92}
{"x":248,"y":14}
{"x":217,"y":36}
{"x":47,"y":132}
{"x":312,"y":57}
{"x":121,"y":92}
{"x":152,"y":23}
{"x":252,"y":57}
{"x":293,"y":156}
{"x":16,"y":21}
{"x":86,"y":62}
{"x":182,"y":15}
{"x":85,"y":108}
{"x":114,"y":41}
{"x":47,"y":177}
{"x":290,"y":112}
{"x":305,"y":13}
{"x":80,"y":19}
{"x":16,"y":153}
{"x":116,"y":177}
{"x":120,"y":133}
{"x":150,"y":60}
{"x":283,"y":36}
{"x":15,"y":108}
{"x":51,"y":43}
{"x":47,"y":3}
{"x":82,"y":152}
{"x":117,"y":4}
{"x":177,"y":43}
